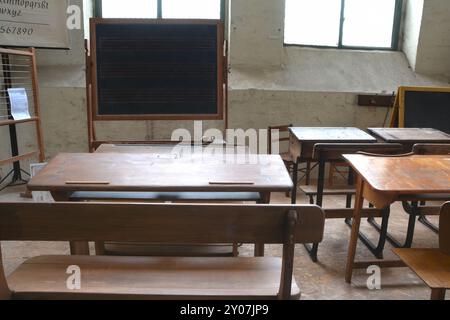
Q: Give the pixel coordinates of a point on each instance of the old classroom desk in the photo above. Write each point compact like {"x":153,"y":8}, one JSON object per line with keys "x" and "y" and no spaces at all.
{"x":148,"y":172}
{"x":410,"y":136}
{"x":384,"y":180}
{"x":303,"y":139}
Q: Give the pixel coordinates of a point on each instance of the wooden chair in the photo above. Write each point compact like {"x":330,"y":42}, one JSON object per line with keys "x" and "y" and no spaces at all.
{"x":432,"y":265}
{"x":45,"y":277}
{"x":286,"y":156}
{"x":332,"y":153}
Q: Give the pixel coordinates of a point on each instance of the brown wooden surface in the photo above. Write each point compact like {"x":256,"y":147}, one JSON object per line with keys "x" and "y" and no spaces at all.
{"x":37,"y":106}
{"x":16,"y":52}
{"x":431,"y":265}
{"x":19,"y":158}
{"x":147,"y":172}
{"x":404,"y":175}
{"x":384,"y":180}
{"x":126,"y":277}
{"x":9,"y":122}
{"x":411,"y":135}
{"x":150,"y":278}
{"x":136,"y":249}
{"x":157,"y":223}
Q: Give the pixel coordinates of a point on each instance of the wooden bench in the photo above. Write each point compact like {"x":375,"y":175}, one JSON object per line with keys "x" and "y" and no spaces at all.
{"x":102,"y":277}
{"x":432,"y":265}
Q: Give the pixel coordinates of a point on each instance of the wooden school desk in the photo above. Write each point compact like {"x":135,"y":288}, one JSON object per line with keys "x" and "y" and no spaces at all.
{"x":384,"y":180}
{"x":410,"y":136}
{"x":303,"y":139}
{"x":125,"y":172}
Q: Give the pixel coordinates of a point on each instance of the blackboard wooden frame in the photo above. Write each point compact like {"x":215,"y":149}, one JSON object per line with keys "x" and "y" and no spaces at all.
{"x":399,"y":109}
{"x":221,"y":71}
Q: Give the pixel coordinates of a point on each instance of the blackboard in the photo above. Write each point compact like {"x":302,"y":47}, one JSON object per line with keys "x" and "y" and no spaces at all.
{"x":424,"y":107}
{"x":157,"y":69}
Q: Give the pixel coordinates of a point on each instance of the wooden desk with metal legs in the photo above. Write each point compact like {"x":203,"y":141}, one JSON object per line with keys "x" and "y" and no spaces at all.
{"x":384,"y":180}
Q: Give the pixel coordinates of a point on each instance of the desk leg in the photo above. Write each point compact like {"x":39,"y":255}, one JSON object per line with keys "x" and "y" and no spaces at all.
{"x":437,"y":294}
{"x":80,"y":248}
{"x":359,"y":201}
{"x":259,"y":247}
{"x":295,"y":181}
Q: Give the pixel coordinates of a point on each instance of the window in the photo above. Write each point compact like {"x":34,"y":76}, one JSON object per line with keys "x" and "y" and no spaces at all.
{"x":370,"y":24}
{"x":168,"y":9}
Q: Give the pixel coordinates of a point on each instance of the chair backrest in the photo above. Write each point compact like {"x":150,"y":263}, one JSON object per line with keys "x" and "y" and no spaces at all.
{"x":431,"y":149}
{"x":165,"y":223}
{"x":333,"y":151}
{"x":444,"y":228}
{"x":283,"y":131}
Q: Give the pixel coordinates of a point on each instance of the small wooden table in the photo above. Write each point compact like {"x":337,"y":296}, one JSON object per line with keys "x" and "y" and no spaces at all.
{"x":148,"y":172}
{"x":408,"y":137}
{"x":384,"y":180}
{"x":303,"y":139}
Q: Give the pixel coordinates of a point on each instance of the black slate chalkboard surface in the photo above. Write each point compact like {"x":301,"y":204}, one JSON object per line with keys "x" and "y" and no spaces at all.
{"x":157,"y":69}
{"x":427,"y":110}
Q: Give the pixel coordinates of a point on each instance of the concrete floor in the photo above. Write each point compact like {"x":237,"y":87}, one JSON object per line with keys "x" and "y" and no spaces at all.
{"x":323,"y":280}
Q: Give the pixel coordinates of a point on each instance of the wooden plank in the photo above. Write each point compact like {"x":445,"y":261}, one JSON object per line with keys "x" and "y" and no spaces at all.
{"x":10,"y":122}
{"x":415,"y":174}
{"x":411,"y":135}
{"x":145,"y":172}
{"x":343,"y":213}
{"x":431,"y":265}
{"x":157,"y":223}
{"x":19,"y":158}
{"x":37,"y":107}
{"x":150,"y":278}
{"x":16,"y":52}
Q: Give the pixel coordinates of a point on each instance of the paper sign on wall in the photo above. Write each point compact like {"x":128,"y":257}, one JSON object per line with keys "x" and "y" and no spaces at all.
{"x":28,"y":23}
{"x":19,"y":103}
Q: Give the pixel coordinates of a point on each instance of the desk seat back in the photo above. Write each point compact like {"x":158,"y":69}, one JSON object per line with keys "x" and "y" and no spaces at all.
{"x":334,"y":151}
{"x":444,"y":229}
{"x":168,"y":223}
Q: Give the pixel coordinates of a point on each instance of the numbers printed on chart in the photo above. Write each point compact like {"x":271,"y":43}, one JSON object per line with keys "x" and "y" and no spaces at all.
{"x":20,"y":31}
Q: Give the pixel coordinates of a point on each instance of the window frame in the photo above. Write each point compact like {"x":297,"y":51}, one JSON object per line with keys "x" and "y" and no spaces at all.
{"x":395,"y":33}
{"x":98,"y":9}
